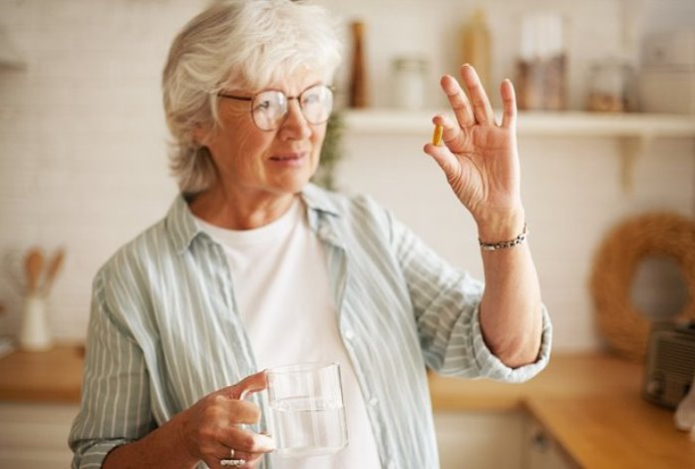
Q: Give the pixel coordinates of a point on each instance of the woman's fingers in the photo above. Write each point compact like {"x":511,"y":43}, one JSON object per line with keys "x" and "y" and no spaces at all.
{"x":458,"y":100}
{"x":240,"y":444}
{"x":250,"y":458}
{"x":246,"y":441}
{"x":250,"y":384}
{"x":473,"y":106}
{"x":442,"y":154}
{"x":226,"y":458}
{"x":508,"y":104}
{"x":214,"y":425}
{"x":452,"y":135}
{"x":443,"y":157}
{"x":481,"y":104}
{"x":240,"y":412}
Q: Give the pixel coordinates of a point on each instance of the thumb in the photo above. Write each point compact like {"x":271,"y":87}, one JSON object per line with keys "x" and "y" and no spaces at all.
{"x":444,"y":158}
{"x":250,"y":384}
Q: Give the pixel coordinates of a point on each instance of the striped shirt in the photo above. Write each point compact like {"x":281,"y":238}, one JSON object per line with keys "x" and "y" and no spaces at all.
{"x":165,"y":331}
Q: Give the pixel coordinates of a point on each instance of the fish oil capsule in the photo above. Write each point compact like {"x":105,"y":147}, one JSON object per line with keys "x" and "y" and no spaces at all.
{"x":437,"y":136}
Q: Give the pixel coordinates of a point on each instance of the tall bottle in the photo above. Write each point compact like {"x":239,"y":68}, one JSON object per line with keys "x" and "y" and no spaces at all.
{"x":477,"y":47}
{"x":359,"y":96}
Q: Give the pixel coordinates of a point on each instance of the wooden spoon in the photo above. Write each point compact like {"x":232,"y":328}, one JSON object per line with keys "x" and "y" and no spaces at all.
{"x":33,"y":264}
{"x":54,"y":266}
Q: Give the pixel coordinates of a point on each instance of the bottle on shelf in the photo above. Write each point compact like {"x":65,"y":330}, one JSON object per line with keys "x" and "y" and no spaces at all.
{"x":477,"y":47}
{"x":358,"y":96}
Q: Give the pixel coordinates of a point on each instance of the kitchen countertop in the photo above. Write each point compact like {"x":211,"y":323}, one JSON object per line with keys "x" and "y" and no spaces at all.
{"x":48,"y":377}
{"x":566,"y":376}
{"x":588,"y":402}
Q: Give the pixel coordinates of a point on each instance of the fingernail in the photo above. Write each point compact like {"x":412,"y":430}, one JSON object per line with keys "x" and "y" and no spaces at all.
{"x":265,"y":442}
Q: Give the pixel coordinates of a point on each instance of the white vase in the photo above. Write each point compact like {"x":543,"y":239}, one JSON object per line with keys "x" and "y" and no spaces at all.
{"x":35,"y":335}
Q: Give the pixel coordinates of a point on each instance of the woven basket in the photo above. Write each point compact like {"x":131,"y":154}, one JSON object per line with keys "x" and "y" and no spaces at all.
{"x":625,"y":328}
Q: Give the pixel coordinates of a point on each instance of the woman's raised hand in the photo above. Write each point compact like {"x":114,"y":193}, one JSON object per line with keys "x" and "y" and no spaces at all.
{"x":479,"y":156}
{"x":212,"y":429}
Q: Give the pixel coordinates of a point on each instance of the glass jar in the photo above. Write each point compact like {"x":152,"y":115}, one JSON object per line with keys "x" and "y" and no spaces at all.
{"x":610,"y":87}
{"x":541,"y":69}
{"x":409,"y":82}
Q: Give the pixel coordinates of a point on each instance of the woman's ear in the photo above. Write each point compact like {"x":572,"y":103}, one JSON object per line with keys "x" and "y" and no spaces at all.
{"x":200,"y":134}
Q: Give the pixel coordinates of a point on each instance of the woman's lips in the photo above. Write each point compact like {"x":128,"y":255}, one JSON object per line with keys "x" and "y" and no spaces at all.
{"x":289,"y":159}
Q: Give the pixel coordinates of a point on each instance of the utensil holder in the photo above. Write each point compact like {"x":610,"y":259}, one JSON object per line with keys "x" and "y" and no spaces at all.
{"x":35,"y":335}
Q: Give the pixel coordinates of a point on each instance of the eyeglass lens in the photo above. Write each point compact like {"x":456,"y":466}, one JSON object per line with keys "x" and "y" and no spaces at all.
{"x":271,"y":107}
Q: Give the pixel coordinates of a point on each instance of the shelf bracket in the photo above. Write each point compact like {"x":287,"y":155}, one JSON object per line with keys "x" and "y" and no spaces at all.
{"x":630,"y":149}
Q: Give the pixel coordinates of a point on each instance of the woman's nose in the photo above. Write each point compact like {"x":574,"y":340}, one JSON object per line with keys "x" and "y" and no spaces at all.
{"x":295,"y":126}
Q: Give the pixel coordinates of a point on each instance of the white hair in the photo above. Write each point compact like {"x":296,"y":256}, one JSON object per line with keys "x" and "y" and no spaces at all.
{"x":237,"y":45}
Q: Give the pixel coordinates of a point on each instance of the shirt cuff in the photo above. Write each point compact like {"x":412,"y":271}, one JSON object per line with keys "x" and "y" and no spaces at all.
{"x":95,"y":455}
{"x":493,"y":368}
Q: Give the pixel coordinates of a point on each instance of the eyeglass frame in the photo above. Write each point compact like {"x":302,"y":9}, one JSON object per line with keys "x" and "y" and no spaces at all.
{"x":251,"y":99}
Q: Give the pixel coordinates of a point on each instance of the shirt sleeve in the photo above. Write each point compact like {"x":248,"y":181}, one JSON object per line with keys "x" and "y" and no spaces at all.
{"x":115,"y":405}
{"x":446,"y":303}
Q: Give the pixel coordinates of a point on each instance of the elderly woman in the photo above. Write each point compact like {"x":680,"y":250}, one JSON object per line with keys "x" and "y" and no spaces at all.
{"x":255,"y":267}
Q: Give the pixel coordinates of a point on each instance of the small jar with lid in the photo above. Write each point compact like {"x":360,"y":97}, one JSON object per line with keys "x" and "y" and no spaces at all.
{"x":409,"y":74}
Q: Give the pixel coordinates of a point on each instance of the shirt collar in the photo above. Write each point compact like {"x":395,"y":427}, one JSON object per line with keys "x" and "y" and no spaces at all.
{"x":317,"y":199}
{"x":181,"y":225}
{"x":183,"y":228}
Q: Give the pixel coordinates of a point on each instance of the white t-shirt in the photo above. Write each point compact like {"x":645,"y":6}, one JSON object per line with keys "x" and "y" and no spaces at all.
{"x":283,"y":293}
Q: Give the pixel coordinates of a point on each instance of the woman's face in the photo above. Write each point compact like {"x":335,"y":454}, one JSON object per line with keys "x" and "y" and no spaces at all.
{"x":276,"y":162}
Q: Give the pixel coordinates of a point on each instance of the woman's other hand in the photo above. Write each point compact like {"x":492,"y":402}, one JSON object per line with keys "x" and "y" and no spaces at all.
{"x":480,"y":157}
{"x":214,"y":426}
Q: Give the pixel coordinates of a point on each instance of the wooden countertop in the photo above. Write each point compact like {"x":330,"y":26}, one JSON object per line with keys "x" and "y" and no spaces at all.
{"x":51,"y":377}
{"x":566,"y":376}
{"x":590,"y":404}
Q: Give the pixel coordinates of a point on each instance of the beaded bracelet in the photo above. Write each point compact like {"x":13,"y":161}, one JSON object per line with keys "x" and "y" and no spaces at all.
{"x":504,"y":244}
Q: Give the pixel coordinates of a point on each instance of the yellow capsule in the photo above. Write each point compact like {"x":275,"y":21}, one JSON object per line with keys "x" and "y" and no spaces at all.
{"x":438,"y":134}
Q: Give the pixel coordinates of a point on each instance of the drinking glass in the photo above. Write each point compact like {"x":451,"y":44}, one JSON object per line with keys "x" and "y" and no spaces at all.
{"x":306,"y":402}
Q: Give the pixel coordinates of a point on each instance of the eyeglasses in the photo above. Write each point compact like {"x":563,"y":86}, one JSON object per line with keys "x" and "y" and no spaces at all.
{"x":269,"y":108}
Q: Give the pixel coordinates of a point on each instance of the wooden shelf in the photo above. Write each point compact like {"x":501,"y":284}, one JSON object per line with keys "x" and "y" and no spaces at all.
{"x":634,"y":131}
{"x":571,"y":123}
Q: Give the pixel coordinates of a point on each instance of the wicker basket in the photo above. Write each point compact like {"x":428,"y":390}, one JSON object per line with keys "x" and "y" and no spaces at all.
{"x":625,"y":328}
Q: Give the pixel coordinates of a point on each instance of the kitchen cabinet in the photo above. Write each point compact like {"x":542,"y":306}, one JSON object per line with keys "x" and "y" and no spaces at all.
{"x":542,"y":451}
{"x":35,"y":435}
{"x":497,"y":440}
{"x":584,"y":410}
{"x":481,"y":440}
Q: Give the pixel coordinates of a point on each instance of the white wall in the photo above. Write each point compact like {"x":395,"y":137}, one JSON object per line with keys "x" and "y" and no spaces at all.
{"x":572,"y":195}
{"x":83,"y":142}
{"x":82,"y":138}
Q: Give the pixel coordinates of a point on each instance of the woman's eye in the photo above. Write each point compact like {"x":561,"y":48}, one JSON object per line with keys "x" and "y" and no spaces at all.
{"x":311,"y":99}
{"x":263,"y":105}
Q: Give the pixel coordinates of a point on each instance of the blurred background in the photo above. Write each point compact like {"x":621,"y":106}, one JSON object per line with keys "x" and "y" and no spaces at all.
{"x":83,"y":142}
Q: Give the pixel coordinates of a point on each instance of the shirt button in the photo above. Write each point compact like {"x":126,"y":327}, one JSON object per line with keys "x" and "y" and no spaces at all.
{"x":349,"y":335}
{"x":373,"y":401}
